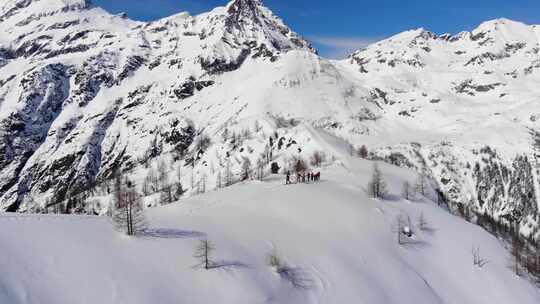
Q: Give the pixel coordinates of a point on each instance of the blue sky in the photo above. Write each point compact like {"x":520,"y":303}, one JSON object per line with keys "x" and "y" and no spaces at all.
{"x":338,"y":27}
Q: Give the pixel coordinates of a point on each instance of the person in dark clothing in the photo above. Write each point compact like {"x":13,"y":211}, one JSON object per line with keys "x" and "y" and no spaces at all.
{"x":288,"y":178}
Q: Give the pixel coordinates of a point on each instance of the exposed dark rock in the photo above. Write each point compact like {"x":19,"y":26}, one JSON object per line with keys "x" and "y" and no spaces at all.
{"x":133,"y":63}
{"x":468,"y":87}
{"x":63,"y":25}
{"x":33,"y":47}
{"x":189,"y":88}
{"x":69,"y":50}
{"x":219,"y":65}
{"x":480,"y":59}
{"x":25,"y":129}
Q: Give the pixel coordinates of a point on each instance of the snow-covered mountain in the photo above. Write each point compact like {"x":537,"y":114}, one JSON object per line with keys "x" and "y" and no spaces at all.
{"x":466,"y":108}
{"x":84,"y":93}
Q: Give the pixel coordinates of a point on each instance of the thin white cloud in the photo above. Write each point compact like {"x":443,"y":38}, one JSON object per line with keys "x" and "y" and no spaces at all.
{"x":341,"y":47}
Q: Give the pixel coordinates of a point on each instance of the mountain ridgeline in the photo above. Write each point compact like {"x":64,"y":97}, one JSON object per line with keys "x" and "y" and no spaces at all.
{"x":85,"y":94}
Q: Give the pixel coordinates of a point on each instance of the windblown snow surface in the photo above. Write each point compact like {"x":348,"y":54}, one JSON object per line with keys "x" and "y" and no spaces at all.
{"x":341,"y":243}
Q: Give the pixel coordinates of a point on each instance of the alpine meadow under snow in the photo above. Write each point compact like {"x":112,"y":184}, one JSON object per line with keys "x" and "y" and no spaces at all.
{"x":145,"y":162}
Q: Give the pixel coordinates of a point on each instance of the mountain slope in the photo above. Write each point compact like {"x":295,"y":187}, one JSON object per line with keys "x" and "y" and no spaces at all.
{"x":342,"y":243}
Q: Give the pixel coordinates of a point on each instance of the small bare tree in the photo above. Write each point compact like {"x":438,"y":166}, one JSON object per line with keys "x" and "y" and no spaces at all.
{"x":192,"y":177}
{"x":377,"y":185}
{"x":407,"y":191}
{"x":163,"y":175}
{"x":477,"y":258}
{"x":128,"y":214}
{"x":268,"y":153}
{"x":532,"y":262}
{"x":260,"y":168}
{"x":147,"y":187}
{"x":363,"y":152}
{"x":218,"y":180}
{"x":257,"y":126}
{"x":203,"y":252}
{"x":274,"y":260}
{"x":246,"y":169}
{"x":423,"y":224}
{"x":153,"y":180}
{"x":421,"y":184}
{"x":136,"y":212}
{"x":202,"y":183}
{"x":401,"y":223}
{"x":228,"y":173}
{"x":166,"y":195}
{"x":516,"y":252}
{"x":317,"y":158}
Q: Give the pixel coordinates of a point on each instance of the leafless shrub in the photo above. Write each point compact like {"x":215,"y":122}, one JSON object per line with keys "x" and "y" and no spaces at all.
{"x":298,"y":277}
{"x":318,"y":158}
{"x":477,"y":258}
{"x":363,"y":152}
{"x":423,"y":224}
{"x":407,"y":191}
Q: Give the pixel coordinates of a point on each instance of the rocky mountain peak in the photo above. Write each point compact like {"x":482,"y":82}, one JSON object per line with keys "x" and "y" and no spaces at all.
{"x":243,"y":6}
{"x":239,"y":11}
{"x":251,"y":20}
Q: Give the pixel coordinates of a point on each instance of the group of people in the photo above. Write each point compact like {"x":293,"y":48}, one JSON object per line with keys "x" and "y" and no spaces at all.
{"x":303,"y":177}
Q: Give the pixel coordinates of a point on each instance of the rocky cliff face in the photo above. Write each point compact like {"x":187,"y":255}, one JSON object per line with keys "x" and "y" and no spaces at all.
{"x":85,"y":94}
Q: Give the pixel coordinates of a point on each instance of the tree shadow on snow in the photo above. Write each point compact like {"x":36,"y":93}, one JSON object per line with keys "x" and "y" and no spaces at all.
{"x":167,"y":233}
{"x":227,"y":265}
{"x":298,"y":277}
{"x":414,"y":244}
{"x":429,"y":230}
{"x":392,"y":198}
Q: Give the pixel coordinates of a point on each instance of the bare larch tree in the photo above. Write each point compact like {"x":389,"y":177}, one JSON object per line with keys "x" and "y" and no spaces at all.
{"x":377,"y":185}
{"x":203,"y":252}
